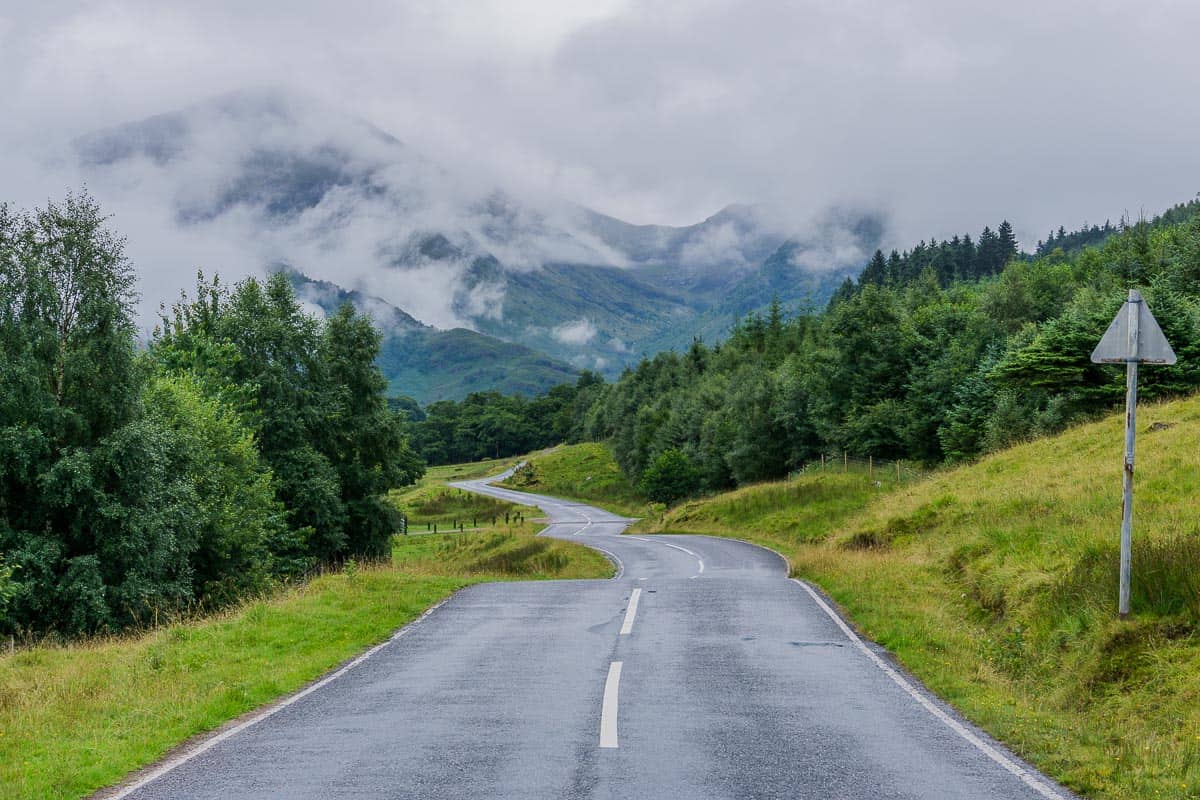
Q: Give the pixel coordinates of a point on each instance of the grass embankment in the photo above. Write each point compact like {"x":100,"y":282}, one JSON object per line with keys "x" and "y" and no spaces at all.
{"x":996,"y":584}
{"x":431,"y":502}
{"x":79,"y":717}
{"x":582,"y":472}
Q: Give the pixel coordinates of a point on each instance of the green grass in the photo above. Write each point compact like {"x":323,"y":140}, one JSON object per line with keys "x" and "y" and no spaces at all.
{"x":447,"y":507}
{"x":431,"y":501}
{"x":778,"y":514}
{"x":466,"y":472}
{"x":80,"y":717}
{"x":582,"y":472}
{"x":500,"y":555}
{"x":996,"y":583}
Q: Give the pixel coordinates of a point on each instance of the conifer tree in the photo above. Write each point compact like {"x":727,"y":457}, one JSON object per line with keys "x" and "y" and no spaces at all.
{"x":1007,"y":249}
{"x":876,"y":271}
{"x":988,"y":253}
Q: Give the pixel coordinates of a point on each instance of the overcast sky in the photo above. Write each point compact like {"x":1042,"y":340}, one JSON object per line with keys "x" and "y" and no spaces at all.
{"x":948,"y":115}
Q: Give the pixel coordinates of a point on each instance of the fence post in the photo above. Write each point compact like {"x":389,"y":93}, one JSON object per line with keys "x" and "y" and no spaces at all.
{"x":845,"y":461}
{"x":871,"y":468}
{"x":897,"y":471}
{"x":822,"y":462}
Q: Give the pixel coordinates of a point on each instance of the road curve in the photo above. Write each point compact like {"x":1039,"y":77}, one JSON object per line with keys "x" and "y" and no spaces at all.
{"x":701,"y":671}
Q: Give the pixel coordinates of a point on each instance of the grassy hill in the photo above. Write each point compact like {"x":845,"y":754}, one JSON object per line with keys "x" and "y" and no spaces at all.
{"x":582,"y":471}
{"x":996,"y":584}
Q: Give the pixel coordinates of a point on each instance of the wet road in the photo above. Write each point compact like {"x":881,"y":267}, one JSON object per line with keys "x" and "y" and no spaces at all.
{"x":701,"y":671}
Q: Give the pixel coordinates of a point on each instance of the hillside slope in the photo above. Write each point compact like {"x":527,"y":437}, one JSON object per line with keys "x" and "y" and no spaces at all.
{"x":996,"y":584}
{"x":430,"y":365}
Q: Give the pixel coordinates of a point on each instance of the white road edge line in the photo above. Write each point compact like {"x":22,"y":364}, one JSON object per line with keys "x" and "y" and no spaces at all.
{"x":950,"y":722}
{"x":208,"y":744}
{"x":630,"y":613}
{"x":613,"y":557}
{"x":608,"y":711}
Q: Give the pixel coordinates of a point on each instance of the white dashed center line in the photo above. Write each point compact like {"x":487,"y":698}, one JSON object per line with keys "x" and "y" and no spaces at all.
{"x":608,"y":712}
{"x":630,"y":613}
{"x":696,"y":556}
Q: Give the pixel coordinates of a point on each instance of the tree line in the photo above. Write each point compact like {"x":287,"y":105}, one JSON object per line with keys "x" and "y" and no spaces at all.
{"x":933,"y":355}
{"x":247,"y":443}
{"x":492,"y":425}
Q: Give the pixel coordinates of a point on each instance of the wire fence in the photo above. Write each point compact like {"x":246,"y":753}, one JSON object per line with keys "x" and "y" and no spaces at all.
{"x":879,"y":471}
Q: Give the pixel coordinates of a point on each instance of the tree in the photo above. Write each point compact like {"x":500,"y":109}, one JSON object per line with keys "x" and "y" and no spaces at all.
{"x":876,"y":271}
{"x":989,"y":257}
{"x":240,"y":523}
{"x":1006,"y":247}
{"x":89,"y":516}
{"x":312,"y":395}
{"x":362,"y":438}
{"x":8,"y":587}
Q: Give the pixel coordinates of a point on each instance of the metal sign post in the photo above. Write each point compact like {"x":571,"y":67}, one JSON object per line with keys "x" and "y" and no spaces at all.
{"x":1133,"y":338}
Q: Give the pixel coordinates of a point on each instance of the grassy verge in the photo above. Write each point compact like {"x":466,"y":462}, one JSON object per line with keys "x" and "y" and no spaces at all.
{"x":466,"y":472}
{"x":996,"y":583}
{"x":779,"y":514}
{"x":582,"y":472}
{"x":76,"y":718}
{"x":500,"y":555}
{"x":431,"y":502}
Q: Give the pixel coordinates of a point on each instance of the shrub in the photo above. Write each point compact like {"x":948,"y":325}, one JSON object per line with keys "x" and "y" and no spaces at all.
{"x":670,"y":477}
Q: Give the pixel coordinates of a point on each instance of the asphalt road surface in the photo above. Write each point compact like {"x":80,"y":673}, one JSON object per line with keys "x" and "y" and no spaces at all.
{"x":701,"y":671}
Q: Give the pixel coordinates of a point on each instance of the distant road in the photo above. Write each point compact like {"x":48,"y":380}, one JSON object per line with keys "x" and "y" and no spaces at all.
{"x":701,"y":671}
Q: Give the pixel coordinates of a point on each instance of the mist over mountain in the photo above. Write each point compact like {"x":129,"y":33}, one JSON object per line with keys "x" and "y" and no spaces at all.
{"x":265,"y":177}
{"x":428,"y":364}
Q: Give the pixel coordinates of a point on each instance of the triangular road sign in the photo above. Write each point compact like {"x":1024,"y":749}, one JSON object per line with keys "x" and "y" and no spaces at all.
{"x":1150,"y":345}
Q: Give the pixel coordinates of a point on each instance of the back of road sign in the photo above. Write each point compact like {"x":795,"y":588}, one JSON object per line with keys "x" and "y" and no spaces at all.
{"x":1151,"y":346}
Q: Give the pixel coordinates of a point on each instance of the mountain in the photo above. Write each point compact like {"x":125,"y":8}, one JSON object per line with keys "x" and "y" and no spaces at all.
{"x":278,"y":177}
{"x":428,"y":364}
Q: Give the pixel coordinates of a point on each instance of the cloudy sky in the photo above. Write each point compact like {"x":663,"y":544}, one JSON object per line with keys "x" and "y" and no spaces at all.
{"x":947,"y":114}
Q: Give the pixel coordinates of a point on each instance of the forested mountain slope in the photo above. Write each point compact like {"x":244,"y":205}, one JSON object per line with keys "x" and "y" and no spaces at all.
{"x":935,"y":354}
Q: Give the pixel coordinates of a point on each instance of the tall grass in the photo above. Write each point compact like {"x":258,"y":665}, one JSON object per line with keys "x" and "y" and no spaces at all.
{"x":447,"y":506}
{"x":780,"y":514}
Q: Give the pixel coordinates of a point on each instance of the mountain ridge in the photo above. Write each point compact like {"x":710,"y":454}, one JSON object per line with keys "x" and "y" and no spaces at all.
{"x":288,"y":179}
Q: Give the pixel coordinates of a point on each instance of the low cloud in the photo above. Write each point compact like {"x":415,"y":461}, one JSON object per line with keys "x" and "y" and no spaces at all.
{"x":947,"y":116}
{"x":579,"y":332}
{"x":720,"y":245}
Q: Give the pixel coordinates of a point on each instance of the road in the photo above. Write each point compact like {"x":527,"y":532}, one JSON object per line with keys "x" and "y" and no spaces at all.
{"x":701,"y":671}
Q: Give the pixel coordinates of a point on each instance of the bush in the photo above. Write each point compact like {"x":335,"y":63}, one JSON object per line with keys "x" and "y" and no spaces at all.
{"x":670,"y":477}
